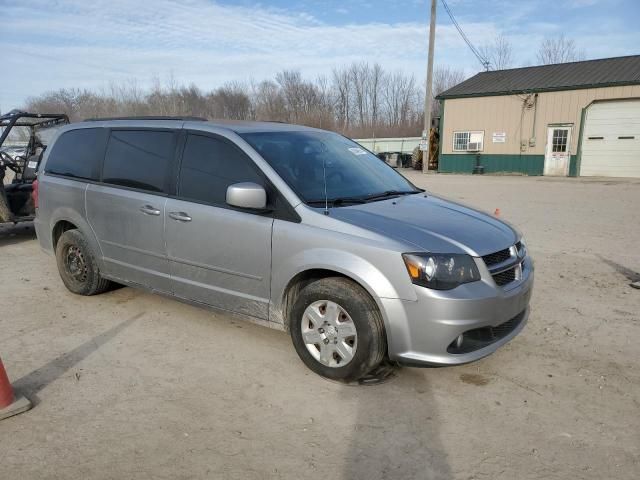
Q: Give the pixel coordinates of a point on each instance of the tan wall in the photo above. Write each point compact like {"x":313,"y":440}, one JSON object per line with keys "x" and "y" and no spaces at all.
{"x":504,"y":114}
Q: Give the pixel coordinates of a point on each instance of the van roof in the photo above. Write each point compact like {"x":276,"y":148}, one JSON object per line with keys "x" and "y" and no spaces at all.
{"x":145,"y":117}
{"x":237,"y":126}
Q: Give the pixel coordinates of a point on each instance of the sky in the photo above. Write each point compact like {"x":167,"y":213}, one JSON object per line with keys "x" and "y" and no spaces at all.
{"x":46,"y":45}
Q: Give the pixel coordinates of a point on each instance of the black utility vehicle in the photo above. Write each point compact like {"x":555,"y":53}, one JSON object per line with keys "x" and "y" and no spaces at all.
{"x":23,"y":139}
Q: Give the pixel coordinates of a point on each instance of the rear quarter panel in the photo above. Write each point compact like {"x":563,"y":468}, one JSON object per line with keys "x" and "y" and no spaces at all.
{"x":62,"y":199}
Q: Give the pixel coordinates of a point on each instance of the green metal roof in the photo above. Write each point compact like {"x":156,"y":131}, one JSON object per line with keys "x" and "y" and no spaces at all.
{"x":604,"y":72}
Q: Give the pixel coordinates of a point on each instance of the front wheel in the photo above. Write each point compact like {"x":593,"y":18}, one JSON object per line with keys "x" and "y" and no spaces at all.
{"x":337,"y":329}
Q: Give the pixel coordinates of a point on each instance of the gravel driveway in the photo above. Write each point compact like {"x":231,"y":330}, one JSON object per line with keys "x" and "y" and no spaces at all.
{"x":132,"y":385}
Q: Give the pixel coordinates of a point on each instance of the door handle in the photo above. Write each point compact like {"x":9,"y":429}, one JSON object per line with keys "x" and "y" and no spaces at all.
{"x":180,"y":216}
{"x":149,"y":210}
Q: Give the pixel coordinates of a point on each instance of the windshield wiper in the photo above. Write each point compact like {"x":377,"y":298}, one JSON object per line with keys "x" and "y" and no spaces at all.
{"x":336,"y":202}
{"x":389,"y":194}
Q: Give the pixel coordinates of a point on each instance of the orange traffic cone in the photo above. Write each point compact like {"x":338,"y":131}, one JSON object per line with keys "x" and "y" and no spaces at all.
{"x":9,"y":404}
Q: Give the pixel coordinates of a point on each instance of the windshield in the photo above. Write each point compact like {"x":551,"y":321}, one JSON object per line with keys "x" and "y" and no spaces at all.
{"x":352,"y":173}
{"x":18,"y":136}
{"x":16,"y":143}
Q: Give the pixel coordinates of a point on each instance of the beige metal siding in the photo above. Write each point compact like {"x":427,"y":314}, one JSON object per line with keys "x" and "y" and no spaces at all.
{"x":505,"y":114}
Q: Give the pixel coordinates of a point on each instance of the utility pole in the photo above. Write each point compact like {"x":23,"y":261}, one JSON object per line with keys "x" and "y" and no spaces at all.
{"x":428,"y":97}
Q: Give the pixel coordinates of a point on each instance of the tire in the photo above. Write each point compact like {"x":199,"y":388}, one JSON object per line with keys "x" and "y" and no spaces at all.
{"x":77,"y":265}
{"x":5,"y":212}
{"x":356,"y":309}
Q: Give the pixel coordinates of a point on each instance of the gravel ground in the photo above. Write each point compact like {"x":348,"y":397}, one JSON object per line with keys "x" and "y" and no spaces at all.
{"x":132,"y":385}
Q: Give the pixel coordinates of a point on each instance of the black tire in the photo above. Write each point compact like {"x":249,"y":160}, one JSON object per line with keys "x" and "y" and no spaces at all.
{"x":72,"y":251}
{"x":371,"y":339}
{"x":5,"y":211}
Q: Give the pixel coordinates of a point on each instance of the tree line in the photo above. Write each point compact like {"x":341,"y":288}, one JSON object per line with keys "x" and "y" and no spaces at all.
{"x":358,"y":100}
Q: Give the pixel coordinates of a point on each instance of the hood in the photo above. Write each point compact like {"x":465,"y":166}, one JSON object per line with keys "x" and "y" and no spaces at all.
{"x":431,"y":224}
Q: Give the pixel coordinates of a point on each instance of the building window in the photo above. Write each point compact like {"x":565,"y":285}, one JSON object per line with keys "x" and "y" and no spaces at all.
{"x":559,"y":141}
{"x":469,"y":141}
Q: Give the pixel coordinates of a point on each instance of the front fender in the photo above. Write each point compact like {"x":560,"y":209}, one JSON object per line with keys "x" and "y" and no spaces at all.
{"x":358,"y":268}
{"x":392,"y":283}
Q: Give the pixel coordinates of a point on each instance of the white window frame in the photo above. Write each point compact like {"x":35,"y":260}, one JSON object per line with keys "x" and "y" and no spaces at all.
{"x":478,"y":134}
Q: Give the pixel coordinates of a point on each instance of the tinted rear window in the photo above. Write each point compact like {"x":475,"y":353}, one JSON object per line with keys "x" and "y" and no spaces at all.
{"x":139,"y":159}
{"x":77,"y":154}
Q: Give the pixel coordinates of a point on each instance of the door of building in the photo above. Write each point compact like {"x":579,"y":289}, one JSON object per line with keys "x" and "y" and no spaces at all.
{"x":611,"y":139}
{"x":558,"y":152}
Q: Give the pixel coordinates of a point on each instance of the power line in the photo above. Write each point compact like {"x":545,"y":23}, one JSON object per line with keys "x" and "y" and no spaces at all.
{"x":476,"y":52}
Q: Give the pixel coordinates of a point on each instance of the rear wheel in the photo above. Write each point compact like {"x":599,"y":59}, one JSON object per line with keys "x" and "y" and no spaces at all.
{"x":77,"y":265}
{"x":337,"y":329}
{"x":5,"y":211}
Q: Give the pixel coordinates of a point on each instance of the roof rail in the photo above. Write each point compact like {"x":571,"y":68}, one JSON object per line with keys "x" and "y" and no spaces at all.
{"x":190,"y":119}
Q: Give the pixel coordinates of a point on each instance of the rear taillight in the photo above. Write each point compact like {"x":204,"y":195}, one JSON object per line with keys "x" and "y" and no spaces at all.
{"x":34,"y":193}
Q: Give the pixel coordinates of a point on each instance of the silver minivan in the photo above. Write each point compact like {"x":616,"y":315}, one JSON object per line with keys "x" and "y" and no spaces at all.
{"x":295,"y":228}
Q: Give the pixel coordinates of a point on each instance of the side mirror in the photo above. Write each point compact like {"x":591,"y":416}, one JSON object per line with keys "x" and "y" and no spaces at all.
{"x":247,"y":195}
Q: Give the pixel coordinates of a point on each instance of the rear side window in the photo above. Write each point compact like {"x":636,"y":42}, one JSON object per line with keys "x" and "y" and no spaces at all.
{"x":139,"y":159}
{"x":209,"y":166}
{"x":78,"y":153}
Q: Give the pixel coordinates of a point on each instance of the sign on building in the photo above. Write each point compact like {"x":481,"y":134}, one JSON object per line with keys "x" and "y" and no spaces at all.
{"x":499,"y":137}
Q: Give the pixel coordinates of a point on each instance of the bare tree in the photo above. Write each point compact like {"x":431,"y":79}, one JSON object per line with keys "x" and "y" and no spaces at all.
{"x":189,"y":101}
{"x":360,"y":79}
{"x":301,"y":96}
{"x":75,"y":103}
{"x":269,"y":102}
{"x":377,"y":80}
{"x":359,"y":92}
{"x":160,"y":99}
{"x":443,"y":79}
{"x":558,"y":50}
{"x":323,"y":115}
{"x":499,"y":53}
{"x":399,"y":98}
{"x":125,"y":98}
{"x":342,"y":86}
{"x":446,"y":77}
{"x":231,"y":101}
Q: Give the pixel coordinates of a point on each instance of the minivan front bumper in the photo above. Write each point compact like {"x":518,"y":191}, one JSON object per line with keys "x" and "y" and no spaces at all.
{"x":424,"y":332}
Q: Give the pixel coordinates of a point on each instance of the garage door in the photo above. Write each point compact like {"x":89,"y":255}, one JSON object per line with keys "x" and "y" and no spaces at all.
{"x":611,"y":139}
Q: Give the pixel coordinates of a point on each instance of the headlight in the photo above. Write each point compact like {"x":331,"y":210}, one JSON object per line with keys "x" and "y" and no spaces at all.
{"x":441,"y":271}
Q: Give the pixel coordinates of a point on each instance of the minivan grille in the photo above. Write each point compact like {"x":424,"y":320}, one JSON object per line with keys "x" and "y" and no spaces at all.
{"x":503,"y":278}
{"x":505,"y":265}
{"x":497,"y":257}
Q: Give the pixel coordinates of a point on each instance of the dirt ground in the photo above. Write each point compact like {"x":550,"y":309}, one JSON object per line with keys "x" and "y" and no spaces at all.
{"x":132,"y":385}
